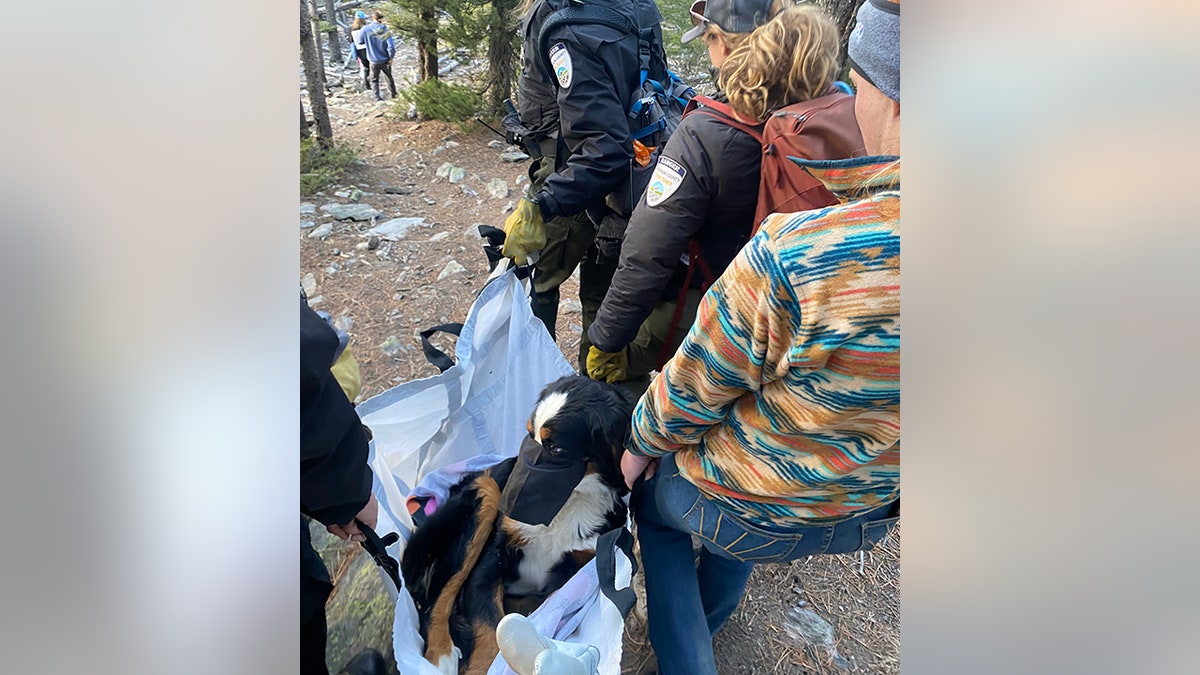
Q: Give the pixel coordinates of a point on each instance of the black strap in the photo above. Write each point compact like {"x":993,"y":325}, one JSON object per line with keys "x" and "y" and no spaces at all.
{"x":606,"y":568}
{"x":437,"y":357}
{"x":376,"y":547}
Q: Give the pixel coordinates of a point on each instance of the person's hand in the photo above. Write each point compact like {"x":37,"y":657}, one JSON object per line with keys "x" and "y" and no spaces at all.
{"x":369,"y":516}
{"x":633,"y":466}
{"x":524,"y":232}
{"x":607,"y":366}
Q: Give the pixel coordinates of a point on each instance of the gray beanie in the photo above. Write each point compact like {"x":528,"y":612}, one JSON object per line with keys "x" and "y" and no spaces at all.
{"x":874,"y":49}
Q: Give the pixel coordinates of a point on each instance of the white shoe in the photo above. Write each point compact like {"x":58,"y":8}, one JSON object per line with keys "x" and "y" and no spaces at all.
{"x":528,"y":652}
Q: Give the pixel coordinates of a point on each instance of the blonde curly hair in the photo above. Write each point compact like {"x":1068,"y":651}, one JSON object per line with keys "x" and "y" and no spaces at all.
{"x":791,"y":58}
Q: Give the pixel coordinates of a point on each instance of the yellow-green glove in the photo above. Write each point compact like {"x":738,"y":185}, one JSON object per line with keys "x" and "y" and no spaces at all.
{"x":345,"y":371}
{"x":524,"y":232}
{"x":606,"y":366}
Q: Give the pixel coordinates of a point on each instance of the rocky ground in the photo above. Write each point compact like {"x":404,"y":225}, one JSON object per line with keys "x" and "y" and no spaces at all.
{"x":393,"y":248}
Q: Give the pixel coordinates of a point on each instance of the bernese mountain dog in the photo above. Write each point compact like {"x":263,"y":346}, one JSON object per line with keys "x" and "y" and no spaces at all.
{"x":507,"y":537}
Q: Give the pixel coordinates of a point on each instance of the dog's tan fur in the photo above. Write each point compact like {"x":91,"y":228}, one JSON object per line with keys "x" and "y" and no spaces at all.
{"x":440,"y":644}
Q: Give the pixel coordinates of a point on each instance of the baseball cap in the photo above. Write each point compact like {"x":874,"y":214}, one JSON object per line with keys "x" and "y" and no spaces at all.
{"x":540,"y":484}
{"x":733,"y":16}
{"x":360,"y":14}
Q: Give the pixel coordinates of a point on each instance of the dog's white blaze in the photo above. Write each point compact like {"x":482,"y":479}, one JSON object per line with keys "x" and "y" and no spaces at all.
{"x":584,"y":512}
{"x":545,"y":411}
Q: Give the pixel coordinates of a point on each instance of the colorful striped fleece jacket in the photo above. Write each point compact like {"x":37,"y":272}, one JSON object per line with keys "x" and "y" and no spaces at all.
{"x":783,"y":403}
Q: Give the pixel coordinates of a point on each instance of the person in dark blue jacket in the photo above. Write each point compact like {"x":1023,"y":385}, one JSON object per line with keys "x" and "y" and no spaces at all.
{"x":381,"y":49}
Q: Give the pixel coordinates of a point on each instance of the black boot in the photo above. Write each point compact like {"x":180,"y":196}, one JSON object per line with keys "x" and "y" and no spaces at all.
{"x":367,"y":662}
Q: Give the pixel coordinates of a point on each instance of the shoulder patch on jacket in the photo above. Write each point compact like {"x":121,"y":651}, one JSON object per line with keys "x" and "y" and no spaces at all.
{"x":560,"y":59}
{"x":668,"y":176}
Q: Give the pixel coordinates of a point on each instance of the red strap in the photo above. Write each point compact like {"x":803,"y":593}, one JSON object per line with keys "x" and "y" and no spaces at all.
{"x":694,"y":260}
{"x":722,"y":111}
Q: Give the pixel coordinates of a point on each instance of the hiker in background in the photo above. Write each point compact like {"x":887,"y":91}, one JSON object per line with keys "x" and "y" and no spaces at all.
{"x":778,"y":421}
{"x":335,"y":483}
{"x":356,"y":38}
{"x":595,"y":69}
{"x":381,"y":48}
{"x":700,"y":207}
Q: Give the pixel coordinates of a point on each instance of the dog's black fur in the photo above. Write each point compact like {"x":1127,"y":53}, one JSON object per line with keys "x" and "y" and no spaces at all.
{"x":592,"y":424}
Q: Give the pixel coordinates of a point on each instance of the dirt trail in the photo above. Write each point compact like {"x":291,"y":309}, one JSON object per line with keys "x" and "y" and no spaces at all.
{"x":387,"y":291}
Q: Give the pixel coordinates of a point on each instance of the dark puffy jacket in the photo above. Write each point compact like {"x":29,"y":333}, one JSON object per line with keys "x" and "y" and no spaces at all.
{"x":713,"y":202}
{"x":594,"y":89}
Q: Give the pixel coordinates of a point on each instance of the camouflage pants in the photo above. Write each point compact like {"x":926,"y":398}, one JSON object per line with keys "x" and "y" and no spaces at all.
{"x":570,"y":242}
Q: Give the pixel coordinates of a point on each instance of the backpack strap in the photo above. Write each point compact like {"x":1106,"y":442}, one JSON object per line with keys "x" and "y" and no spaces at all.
{"x":721,"y":111}
{"x":695,"y":259}
{"x":576,"y":14}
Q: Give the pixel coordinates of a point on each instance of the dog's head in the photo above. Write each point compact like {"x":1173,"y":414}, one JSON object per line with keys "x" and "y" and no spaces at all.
{"x":578,"y":427}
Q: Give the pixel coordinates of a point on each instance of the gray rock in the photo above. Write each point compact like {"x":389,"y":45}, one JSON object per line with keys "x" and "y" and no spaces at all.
{"x":321,"y":232}
{"x":468,"y":191}
{"x":449,"y":66}
{"x":313,"y":302}
{"x":352,"y":211}
{"x":343,"y":322}
{"x":444,"y":170}
{"x":391,"y":345}
{"x":514,"y":156}
{"x":451,"y":144}
{"x":439,"y":236}
{"x":373,"y":243}
{"x":497,"y":188}
{"x":496,"y":144}
{"x":309,"y":284}
{"x":438,"y":150}
{"x":305,"y":224}
{"x":571,"y":306}
{"x":396,"y":228}
{"x":333,"y":269}
{"x":509,"y":206}
{"x":342,"y":194}
{"x":458,"y":175}
{"x":355,"y":194}
{"x":393,"y":190}
{"x":575,"y":328}
{"x":451,"y":268}
{"x":306,"y":208}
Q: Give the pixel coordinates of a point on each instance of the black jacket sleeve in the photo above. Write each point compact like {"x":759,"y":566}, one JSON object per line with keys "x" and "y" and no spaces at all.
{"x":714,"y":204}
{"x":335,"y":481}
{"x":655,"y":240}
{"x":592,"y":121}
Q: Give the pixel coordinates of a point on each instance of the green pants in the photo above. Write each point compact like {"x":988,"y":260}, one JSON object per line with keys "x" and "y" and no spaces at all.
{"x":570,"y":242}
{"x":646,"y":349}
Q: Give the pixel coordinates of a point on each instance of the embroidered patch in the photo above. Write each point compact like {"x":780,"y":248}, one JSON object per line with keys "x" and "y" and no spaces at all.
{"x":560,"y":59}
{"x":668,"y":176}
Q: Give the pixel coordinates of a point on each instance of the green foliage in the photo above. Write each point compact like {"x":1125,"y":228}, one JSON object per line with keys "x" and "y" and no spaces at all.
{"x":319,"y":167}
{"x":689,"y":61}
{"x":437,"y":100}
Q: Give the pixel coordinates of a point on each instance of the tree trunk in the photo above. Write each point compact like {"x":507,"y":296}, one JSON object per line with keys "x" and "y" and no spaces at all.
{"x":310,"y":53}
{"x":843,"y":13}
{"x":335,"y":43}
{"x":502,"y":53}
{"x":303,"y":123}
{"x":315,"y":27}
{"x":427,"y":41}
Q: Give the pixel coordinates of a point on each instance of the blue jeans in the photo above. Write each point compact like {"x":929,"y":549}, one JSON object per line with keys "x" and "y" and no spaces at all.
{"x":688,"y":602}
